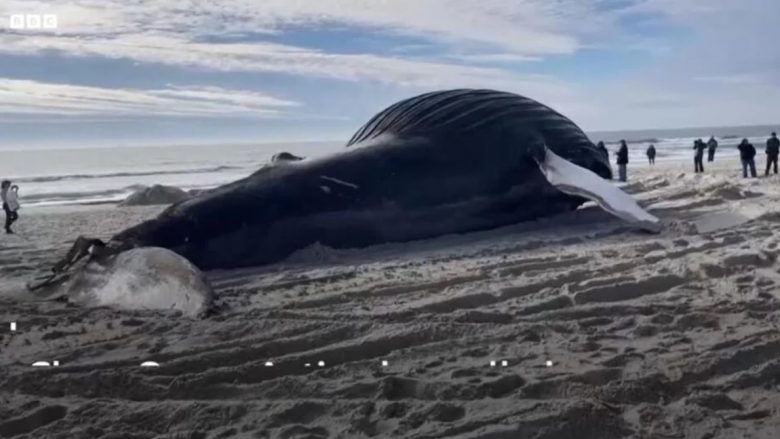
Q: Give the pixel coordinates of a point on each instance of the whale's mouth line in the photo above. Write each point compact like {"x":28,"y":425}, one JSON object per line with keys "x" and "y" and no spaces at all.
{"x":573,"y":179}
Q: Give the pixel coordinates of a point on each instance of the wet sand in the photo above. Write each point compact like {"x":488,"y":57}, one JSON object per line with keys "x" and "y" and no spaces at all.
{"x":606,"y":332}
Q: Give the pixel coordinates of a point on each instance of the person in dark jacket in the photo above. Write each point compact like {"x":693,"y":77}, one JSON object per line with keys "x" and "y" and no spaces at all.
{"x":651,"y":154}
{"x":712,"y":145}
{"x":9,"y":200}
{"x":747,"y":154}
{"x":622,"y":160}
{"x":698,"y":146}
{"x":772,"y":151}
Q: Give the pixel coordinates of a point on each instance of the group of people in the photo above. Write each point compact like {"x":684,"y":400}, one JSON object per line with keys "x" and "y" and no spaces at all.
{"x":698,"y":156}
{"x":10,"y":195}
{"x":747,"y":154}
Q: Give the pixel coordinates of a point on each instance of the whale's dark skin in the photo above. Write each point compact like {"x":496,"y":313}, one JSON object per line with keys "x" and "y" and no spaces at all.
{"x":444,"y":162}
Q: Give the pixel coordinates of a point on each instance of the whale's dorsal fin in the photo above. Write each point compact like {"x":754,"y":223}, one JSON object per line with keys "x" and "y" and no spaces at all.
{"x":575,"y":180}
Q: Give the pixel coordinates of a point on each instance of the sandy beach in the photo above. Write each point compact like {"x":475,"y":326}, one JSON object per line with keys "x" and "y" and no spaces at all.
{"x":606,"y":332}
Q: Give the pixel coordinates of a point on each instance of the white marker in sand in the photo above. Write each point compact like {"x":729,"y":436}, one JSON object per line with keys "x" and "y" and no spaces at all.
{"x":150,"y":364}
{"x":307,"y":364}
{"x":41,"y":364}
{"x":269,"y":364}
{"x":384,"y":362}
{"x":492,"y":364}
{"x":548,"y":363}
{"x":505,"y":363}
{"x":56,"y":363}
{"x":13,"y":326}
{"x":321,"y":363}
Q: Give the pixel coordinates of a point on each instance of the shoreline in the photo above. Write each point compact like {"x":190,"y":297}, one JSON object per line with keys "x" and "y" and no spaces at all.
{"x":636,"y":165}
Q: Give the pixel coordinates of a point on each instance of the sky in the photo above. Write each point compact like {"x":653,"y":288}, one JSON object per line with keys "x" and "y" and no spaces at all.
{"x":125,"y":72}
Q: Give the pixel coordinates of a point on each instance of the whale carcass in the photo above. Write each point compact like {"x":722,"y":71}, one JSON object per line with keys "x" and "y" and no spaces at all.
{"x":445,"y":162}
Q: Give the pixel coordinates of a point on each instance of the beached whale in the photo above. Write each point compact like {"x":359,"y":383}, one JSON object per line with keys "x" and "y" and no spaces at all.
{"x":445,"y":162}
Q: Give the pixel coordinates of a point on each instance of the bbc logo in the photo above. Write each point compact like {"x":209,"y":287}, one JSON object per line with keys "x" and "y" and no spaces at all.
{"x":33,"y":21}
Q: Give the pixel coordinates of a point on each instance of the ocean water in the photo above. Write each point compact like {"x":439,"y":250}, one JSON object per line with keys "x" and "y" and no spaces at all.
{"x":107,"y":175}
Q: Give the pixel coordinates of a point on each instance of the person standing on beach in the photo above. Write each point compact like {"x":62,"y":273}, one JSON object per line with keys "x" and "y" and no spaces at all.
{"x":651,"y":154}
{"x":12,"y":198}
{"x":772,"y":151}
{"x":747,"y":154}
{"x":5,"y":189}
{"x":712,"y":145}
{"x":698,"y":156}
{"x":622,"y":160}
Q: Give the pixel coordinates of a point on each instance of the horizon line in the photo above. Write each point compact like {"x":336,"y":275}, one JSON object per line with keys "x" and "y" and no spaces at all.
{"x":243,"y":142}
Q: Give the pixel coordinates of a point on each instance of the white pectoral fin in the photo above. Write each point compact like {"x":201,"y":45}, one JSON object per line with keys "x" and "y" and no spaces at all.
{"x":575,"y":180}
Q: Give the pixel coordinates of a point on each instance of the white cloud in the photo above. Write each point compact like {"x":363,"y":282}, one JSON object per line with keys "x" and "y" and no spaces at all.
{"x":720,"y":67}
{"x":721,"y":49}
{"x":263,"y":57}
{"x":74,"y":18}
{"x":494,"y":58}
{"x":521,"y":27}
{"x":39,"y":98}
{"x":684,"y":9}
{"x":180,"y":33}
{"x":735,"y":79}
{"x":175,"y":32}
